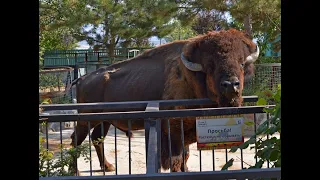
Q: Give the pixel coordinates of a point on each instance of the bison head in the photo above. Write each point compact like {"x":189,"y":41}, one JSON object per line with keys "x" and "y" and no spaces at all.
{"x":218,"y":63}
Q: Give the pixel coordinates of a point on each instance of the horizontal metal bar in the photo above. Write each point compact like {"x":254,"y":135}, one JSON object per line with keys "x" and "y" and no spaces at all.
{"x":152,"y":114}
{"x":136,"y":104}
{"x":209,"y":175}
{"x":269,"y":64}
{"x":153,"y":106}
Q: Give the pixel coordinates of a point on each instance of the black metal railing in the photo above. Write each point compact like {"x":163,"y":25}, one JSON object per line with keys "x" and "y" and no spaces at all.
{"x":151,"y":112}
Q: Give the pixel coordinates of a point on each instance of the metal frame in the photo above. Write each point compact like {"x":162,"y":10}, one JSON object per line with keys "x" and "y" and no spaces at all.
{"x":216,"y":175}
{"x":152,"y":132}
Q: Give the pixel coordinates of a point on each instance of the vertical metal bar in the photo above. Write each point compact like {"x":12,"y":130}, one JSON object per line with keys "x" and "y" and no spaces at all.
{"x":76,"y":144}
{"x":241,"y":153}
{"x":146,"y":133}
{"x":153,"y":133}
{"x":89,"y":128}
{"x":76,"y":69}
{"x":115,"y":147}
{"x":169,"y":143}
{"x":255,"y":131}
{"x":129,"y":131}
{"x":158,"y":125}
{"x":182,"y":142}
{"x":58,"y":82}
{"x":200,"y":160}
{"x":268,"y":124}
{"x":152,"y":149}
{"x":102,"y":142}
{"x":61,"y":140}
{"x":226,"y":155}
{"x":47,"y":144}
{"x":213,"y":161}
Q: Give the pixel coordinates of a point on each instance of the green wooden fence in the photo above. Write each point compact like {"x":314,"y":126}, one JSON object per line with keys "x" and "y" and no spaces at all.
{"x":73,"y":57}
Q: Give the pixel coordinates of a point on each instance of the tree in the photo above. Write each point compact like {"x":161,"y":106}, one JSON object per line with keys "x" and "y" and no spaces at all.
{"x":259,"y":18}
{"x":208,"y":20}
{"x":126,"y":21}
{"x":136,"y":42}
{"x":56,"y":29}
{"x":180,"y":32}
{"x":265,"y":19}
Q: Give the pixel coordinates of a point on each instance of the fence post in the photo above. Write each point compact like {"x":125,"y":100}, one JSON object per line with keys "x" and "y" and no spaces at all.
{"x":76,"y":69}
{"x":152,"y":139}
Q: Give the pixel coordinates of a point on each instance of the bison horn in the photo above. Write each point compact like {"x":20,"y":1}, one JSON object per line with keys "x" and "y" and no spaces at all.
{"x":253,"y":57}
{"x":190,"y":65}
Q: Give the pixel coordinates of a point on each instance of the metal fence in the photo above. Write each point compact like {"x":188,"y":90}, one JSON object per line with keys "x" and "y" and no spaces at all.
{"x":53,"y":82}
{"x":153,"y":112}
{"x":267,"y":76}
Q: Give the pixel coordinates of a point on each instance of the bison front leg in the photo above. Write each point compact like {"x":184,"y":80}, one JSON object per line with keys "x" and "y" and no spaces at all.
{"x":176,"y":152}
{"x":77,"y":137}
{"x":184,"y":167}
{"x":98,"y":144}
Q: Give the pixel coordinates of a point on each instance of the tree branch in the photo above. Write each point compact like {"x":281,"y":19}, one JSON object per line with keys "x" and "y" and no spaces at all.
{"x":276,"y":25}
{"x":88,"y":37}
{"x":93,"y":39}
{"x":118,"y":38}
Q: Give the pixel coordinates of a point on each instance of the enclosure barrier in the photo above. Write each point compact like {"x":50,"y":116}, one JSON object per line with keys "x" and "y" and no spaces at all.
{"x":216,"y":175}
{"x":152,"y":111}
{"x":53,"y":82}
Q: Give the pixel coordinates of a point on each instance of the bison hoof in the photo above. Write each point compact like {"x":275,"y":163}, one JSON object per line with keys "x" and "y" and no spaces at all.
{"x":129,"y":135}
{"x":109,"y":168}
{"x":77,"y":174}
{"x":185,"y":170}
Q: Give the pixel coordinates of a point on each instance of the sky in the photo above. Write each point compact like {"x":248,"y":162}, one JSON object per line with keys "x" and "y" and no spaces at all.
{"x":154,"y":40}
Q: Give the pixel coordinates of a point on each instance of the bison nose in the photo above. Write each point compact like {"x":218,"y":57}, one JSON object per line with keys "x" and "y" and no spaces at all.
{"x":231,"y":85}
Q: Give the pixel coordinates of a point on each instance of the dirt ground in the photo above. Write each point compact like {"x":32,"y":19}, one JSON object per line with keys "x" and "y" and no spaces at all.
{"x":138,"y":155}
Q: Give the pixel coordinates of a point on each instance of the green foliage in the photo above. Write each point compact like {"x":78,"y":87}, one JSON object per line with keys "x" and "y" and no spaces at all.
{"x":266,"y":59}
{"x":131,"y":21}
{"x":267,"y":149}
{"x":227,"y":165}
{"x":58,"y":39}
{"x":136,"y":43}
{"x":60,"y":164}
{"x":264,"y":17}
{"x":180,"y":32}
{"x":50,"y":80}
{"x":208,"y":20}
{"x":56,"y":31}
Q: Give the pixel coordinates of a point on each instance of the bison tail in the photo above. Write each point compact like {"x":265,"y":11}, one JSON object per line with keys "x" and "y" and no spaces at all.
{"x":69,"y":86}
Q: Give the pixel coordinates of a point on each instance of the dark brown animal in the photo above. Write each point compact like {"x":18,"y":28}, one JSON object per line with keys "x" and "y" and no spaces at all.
{"x":212,"y":66}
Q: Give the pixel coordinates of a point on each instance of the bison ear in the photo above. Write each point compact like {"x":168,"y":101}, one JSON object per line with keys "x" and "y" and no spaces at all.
{"x":190,"y":56}
{"x":190,"y":49}
{"x":247,"y":35}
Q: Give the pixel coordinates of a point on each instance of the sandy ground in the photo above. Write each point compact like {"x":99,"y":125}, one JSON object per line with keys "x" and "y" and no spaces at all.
{"x":138,"y":157}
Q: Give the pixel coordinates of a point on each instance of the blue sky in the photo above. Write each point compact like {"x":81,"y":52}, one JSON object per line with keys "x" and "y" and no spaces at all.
{"x":85,"y":45}
{"x":155,"y":40}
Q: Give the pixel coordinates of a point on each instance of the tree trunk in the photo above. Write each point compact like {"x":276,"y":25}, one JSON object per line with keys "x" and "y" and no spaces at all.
{"x":111,"y":48}
{"x":248,"y":26}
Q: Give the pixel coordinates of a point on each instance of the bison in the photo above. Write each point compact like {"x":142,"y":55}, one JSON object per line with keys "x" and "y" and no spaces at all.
{"x":213,"y":65}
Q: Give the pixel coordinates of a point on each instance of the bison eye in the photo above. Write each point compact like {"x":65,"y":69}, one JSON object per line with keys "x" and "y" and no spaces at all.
{"x":242,"y":65}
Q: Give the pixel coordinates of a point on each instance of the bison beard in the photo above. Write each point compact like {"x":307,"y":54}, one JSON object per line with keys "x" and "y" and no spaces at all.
{"x":213,"y":66}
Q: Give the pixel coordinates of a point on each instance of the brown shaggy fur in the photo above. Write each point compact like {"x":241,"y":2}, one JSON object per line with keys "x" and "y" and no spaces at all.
{"x":160,"y":74}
